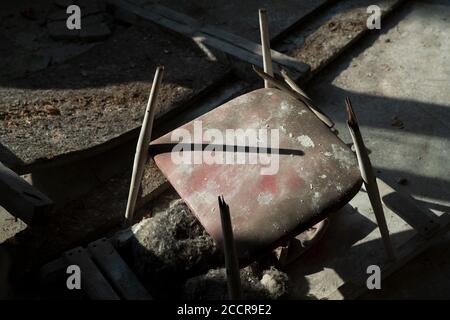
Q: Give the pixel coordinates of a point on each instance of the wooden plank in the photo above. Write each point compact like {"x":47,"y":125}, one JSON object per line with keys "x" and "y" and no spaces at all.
{"x":404,"y":253}
{"x":255,"y":48}
{"x":241,"y":17}
{"x":51,"y":270}
{"x":92,"y":280}
{"x":20,"y":198}
{"x":350,"y":230}
{"x":424,"y":221}
{"x":369,"y":178}
{"x":119,"y":240}
{"x":231,"y":44}
{"x":337,"y":267}
{"x":148,"y":14}
{"x":247,"y":56}
{"x":173,"y":15}
{"x":117,"y":271}
{"x":230,"y":38}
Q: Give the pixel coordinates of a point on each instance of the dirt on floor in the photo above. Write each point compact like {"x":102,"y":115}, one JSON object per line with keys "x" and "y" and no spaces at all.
{"x":322,"y":39}
{"x":100,"y":94}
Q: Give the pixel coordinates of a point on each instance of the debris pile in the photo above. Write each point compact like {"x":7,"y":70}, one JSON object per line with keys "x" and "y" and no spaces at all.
{"x":213,"y":285}
{"x":172,"y":246}
{"x":173,"y":255}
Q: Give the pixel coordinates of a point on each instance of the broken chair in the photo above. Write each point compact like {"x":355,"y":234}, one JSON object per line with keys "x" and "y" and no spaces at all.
{"x":316,"y":174}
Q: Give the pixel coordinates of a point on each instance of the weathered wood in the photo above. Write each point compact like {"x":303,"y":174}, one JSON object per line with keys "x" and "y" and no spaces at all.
{"x":280,"y":85}
{"x":231,"y":44}
{"x":294,"y":86}
{"x":265,"y":44}
{"x":20,"y":198}
{"x":117,"y":271}
{"x":369,"y":178}
{"x":92,"y":280}
{"x":239,"y":16}
{"x":254,"y":48}
{"x":173,"y":15}
{"x":405,"y":253}
{"x":53,"y":269}
{"x":229,"y":248}
{"x":337,"y":268}
{"x":424,"y":221}
{"x":141,"y":155}
{"x":344,"y":252}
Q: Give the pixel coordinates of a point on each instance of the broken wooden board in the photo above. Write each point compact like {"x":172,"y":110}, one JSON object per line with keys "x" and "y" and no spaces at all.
{"x":117,"y":271}
{"x":20,"y":198}
{"x":104,"y":274}
{"x":336,"y":268}
{"x":210,"y":36}
{"x":92,"y":280}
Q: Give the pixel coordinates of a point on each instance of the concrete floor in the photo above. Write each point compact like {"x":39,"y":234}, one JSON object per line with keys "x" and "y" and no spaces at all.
{"x":398,"y":83}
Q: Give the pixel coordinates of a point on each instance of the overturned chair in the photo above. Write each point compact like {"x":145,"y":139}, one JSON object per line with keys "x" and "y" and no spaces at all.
{"x":310,"y":175}
{"x":315,"y":173}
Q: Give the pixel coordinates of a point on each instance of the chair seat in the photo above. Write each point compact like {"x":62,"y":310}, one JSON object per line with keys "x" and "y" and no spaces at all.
{"x":317,"y":173}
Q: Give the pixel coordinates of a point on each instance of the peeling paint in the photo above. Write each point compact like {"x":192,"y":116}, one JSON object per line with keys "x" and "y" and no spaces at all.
{"x":265,"y":198}
{"x":185,"y":168}
{"x":343,"y":156}
{"x":285,"y":106}
{"x":316,"y":200}
{"x":306,"y":141}
{"x":244,"y":99}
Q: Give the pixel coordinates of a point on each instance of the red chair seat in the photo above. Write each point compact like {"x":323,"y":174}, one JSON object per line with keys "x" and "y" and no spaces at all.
{"x":317,"y":173}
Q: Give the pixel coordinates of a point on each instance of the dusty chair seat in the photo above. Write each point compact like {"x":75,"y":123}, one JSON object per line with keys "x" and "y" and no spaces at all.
{"x":317,"y":173}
